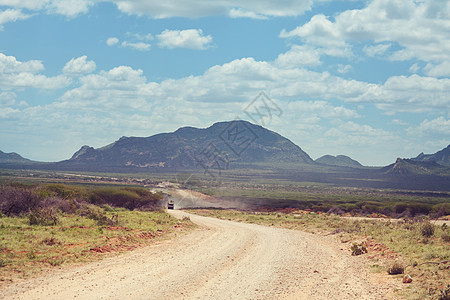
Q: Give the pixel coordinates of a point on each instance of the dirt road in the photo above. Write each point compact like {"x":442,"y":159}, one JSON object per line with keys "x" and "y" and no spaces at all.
{"x":221,"y":260}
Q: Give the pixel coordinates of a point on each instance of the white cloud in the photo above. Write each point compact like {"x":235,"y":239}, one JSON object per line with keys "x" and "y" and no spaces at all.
{"x":421,"y":28}
{"x":121,"y":87}
{"x":299,"y":56}
{"x":240,"y":13}
{"x":409,"y":94}
{"x":141,"y":37}
{"x":11,"y":15}
{"x":438,"y":126}
{"x":112,"y":41}
{"x":17,"y":74}
{"x":442,"y":69}
{"x":189,"y":38}
{"x":7,"y":99}
{"x":414,"y":68}
{"x":343,"y":69}
{"x":141,"y":46}
{"x":27,"y":4}
{"x":68,"y":8}
{"x":199,"y":8}
{"x":78,"y":66}
{"x":376,"y":50}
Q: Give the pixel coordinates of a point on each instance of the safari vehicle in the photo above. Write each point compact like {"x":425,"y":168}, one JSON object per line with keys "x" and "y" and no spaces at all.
{"x":170,"y":204}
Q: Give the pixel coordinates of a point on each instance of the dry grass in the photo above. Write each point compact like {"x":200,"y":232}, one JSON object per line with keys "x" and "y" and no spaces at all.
{"x":26,"y":250}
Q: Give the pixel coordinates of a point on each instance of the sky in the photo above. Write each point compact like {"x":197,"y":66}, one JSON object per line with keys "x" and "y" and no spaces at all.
{"x":368,"y":79}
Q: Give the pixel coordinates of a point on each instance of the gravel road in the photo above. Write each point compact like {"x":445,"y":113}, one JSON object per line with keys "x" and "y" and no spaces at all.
{"x":220,"y":260}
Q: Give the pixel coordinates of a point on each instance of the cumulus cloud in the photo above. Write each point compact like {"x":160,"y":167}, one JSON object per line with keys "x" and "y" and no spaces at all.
{"x":438,"y":70}
{"x":438,"y":126}
{"x":189,"y":38}
{"x":199,"y":8}
{"x":409,"y":94}
{"x":17,"y":74}
{"x":376,"y":50}
{"x":240,"y":13}
{"x":78,"y":66}
{"x":68,"y":8}
{"x":299,"y":56}
{"x":141,"y":46}
{"x":7,"y":99}
{"x":112,"y":41}
{"x":11,"y":15}
{"x":408,"y":23}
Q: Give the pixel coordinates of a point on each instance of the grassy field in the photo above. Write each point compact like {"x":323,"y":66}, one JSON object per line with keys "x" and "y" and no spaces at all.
{"x":419,"y":247}
{"x":48,"y":225}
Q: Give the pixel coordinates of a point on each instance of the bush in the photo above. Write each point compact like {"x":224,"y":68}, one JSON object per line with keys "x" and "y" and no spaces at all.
{"x":130,"y":198}
{"x":427,"y":229}
{"x":46,"y":216}
{"x":15,"y":201}
{"x":358,"y":249}
{"x":445,"y":293}
{"x":396,"y":268}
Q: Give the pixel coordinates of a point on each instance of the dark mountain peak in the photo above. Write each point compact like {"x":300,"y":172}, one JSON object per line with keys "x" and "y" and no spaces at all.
{"x":83,"y":151}
{"x":441,"y":157}
{"x":339,"y":160}
{"x":411,"y":167}
{"x":239,"y":141}
{"x":12,"y":158}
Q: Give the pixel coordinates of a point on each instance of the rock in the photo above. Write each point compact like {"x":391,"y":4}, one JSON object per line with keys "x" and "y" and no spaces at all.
{"x":407,"y":279}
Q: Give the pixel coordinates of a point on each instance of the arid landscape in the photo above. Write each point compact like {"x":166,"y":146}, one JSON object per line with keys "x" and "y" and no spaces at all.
{"x":229,"y":149}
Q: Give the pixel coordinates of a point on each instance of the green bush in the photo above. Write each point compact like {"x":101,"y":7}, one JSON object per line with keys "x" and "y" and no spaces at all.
{"x":396,"y":268}
{"x":427,"y":229}
{"x":46,"y":216}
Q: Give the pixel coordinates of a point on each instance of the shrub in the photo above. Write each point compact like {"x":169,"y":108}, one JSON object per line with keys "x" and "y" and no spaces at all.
{"x":396,"y":268}
{"x":445,"y":237}
{"x":445,"y":293}
{"x":45,"y":216}
{"x":358,"y":249}
{"x":427,"y":229}
{"x":335,"y":210}
{"x":130,"y":198}
{"x":17,"y":200}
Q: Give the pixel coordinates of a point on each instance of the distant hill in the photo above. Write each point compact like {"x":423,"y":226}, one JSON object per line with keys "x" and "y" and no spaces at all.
{"x":340,"y":160}
{"x":215,"y":147}
{"x":412,"y":167}
{"x":441,"y":157}
{"x":12,"y":158}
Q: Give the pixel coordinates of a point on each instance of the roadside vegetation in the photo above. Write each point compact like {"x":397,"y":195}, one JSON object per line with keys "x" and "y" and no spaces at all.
{"x":341,"y":200}
{"x":413,"y":246}
{"x":48,"y":225}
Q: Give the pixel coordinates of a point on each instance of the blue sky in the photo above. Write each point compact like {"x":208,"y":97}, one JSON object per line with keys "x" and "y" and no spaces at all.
{"x":367,"y":79}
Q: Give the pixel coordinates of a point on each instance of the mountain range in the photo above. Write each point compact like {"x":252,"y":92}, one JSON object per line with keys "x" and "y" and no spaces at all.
{"x":241,"y":145}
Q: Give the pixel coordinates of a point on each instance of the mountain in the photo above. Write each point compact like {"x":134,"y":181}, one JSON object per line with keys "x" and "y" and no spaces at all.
{"x":340,"y":160}
{"x":412,"y":167}
{"x":12,"y":158}
{"x":217,"y":147}
{"x":441,"y":157}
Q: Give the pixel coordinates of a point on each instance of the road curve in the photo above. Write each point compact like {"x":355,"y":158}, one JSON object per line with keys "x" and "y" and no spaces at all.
{"x":220,"y":260}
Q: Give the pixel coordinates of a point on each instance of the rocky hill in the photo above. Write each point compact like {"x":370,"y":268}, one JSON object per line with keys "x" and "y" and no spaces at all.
{"x":12,"y":158}
{"x":339,"y":160}
{"x":441,"y":157}
{"x":217,"y":147}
